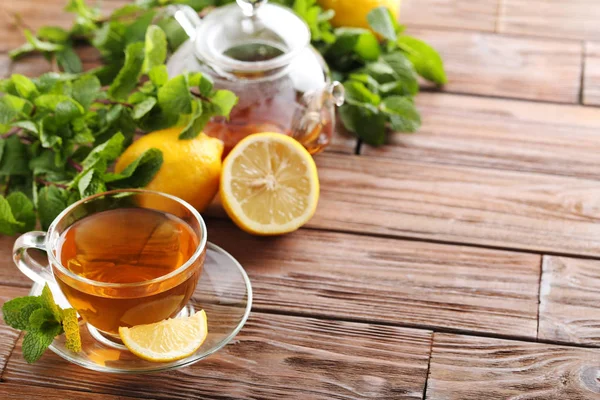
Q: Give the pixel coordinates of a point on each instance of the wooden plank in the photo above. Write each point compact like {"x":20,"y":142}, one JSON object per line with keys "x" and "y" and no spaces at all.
{"x":273,"y":357}
{"x":476,"y":368}
{"x":478,"y":15}
{"x":515,"y":67}
{"x":458,"y":204}
{"x":591,"y":77}
{"x":574,"y":19}
{"x":8,"y":335}
{"x":501,"y":134}
{"x":4,"y":66}
{"x":569,"y":298}
{"x":337,"y":275}
{"x":34,"y":17}
{"x":10,"y":391}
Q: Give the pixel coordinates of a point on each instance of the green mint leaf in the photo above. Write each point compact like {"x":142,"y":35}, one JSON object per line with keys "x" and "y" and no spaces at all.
{"x":382,"y":22}
{"x":81,"y":9}
{"x":25,"y":48}
{"x":41,"y":45}
{"x":139,"y":173}
{"x":26,"y":125}
{"x":85,"y":90}
{"x":15,"y":160}
{"x":107,"y":151}
{"x":26,"y":312}
{"x":158,"y":119}
{"x":367,"y":124}
{"x":128,"y":76}
{"x":203,"y":114}
{"x":47,"y":300}
{"x":67,"y":111}
{"x":155,"y":48}
{"x":159,"y":75}
{"x":24,"y":86}
{"x":367,"y":47}
{"x":143,"y":107}
{"x":426,"y":60}
{"x":91,"y":183}
{"x":397,"y":69}
{"x":42,"y":320}
{"x":71,"y":327}
{"x":106,"y":73}
{"x":127,"y":10}
{"x":11,"y":311}
{"x":224,"y":100}
{"x":136,"y":97}
{"x":48,"y":137}
{"x":357,"y":92}
{"x":366,"y":80}
{"x":110,"y":40}
{"x":16,"y":104}
{"x":204,"y":85}
{"x":52,"y":102}
{"x":51,"y":202}
{"x":35,"y":343}
{"x":53,"y":34}
{"x":69,"y":61}
{"x":176,"y":36}
{"x":44,"y":163}
{"x":22,"y":210}
{"x":136,"y":31}
{"x":174,"y":97}
{"x":404,"y":117}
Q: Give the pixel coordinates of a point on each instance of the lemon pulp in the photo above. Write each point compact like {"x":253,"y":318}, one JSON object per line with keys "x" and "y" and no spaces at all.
{"x":269,"y":184}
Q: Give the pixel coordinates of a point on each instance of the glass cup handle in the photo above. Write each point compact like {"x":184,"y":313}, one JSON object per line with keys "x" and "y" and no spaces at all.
{"x":28,"y":266}
{"x":187,"y":18}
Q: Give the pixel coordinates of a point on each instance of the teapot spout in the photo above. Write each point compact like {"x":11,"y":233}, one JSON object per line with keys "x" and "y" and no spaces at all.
{"x":187,"y":18}
{"x":312,"y":124}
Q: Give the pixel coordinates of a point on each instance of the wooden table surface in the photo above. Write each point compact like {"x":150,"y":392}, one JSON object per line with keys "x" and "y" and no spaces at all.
{"x":460,"y":262}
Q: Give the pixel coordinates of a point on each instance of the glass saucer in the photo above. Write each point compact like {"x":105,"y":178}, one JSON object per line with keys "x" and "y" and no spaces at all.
{"x":223,"y":292}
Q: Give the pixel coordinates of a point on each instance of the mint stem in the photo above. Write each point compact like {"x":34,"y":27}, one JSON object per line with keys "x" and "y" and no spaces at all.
{"x":75,"y":165}
{"x":48,"y":183}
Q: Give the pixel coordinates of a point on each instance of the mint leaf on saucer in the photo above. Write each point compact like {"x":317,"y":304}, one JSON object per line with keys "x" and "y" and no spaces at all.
{"x":47,"y":301}
{"x":43,"y":320}
{"x":35,"y":343}
{"x":13,"y":314}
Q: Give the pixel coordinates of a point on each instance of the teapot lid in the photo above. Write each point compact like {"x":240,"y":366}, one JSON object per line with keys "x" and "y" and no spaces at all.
{"x":251,"y":34}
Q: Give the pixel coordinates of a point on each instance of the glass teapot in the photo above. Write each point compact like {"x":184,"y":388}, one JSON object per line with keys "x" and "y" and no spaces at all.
{"x":262,"y":53}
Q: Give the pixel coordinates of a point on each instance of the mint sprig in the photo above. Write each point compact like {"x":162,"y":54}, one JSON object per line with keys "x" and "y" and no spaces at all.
{"x":61,"y":133}
{"x":43,"y":320}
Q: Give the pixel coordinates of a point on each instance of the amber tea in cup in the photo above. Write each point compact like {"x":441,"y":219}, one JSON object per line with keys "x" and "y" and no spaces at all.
{"x":124,"y":258}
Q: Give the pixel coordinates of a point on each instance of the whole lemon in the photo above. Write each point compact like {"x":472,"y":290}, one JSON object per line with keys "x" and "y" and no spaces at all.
{"x":354,"y":13}
{"x":190,"y":170}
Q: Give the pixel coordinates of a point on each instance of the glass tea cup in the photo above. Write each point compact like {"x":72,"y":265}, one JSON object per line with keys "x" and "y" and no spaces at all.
{"x":106,"y":303}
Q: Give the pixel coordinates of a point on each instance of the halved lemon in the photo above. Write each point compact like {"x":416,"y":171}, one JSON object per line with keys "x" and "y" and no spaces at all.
{"x":168,"y":340}
{"x":269,"y":184}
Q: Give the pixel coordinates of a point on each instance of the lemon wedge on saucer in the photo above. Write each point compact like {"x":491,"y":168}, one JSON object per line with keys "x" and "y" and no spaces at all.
{"x":168,"y":340}
{"x":269,"y":184}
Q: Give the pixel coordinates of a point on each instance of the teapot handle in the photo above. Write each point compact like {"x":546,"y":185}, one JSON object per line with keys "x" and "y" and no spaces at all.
{"x":308,"y":121}
{"x":187,"y":18}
